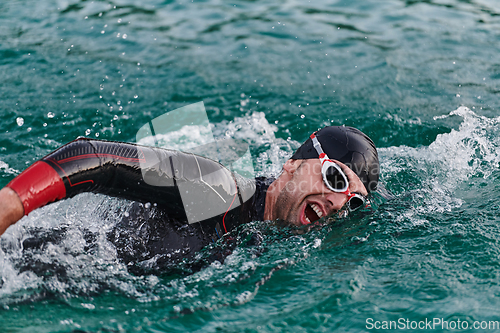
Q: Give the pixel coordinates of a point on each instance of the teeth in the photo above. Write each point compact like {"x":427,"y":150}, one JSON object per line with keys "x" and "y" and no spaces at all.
{"x":317,"y":210}
{"x":307,"y":219}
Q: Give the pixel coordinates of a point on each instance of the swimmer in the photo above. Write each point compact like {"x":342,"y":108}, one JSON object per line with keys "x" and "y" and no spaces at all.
{"x":332,"y":173}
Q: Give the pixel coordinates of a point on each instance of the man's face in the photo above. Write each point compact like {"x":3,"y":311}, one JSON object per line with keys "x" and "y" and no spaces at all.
{"x":304,"y":198}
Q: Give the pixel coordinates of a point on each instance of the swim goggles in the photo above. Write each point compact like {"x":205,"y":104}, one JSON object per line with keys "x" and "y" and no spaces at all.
{"x":336,"y":180}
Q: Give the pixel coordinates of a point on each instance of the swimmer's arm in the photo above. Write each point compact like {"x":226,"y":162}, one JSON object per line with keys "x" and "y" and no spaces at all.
{"x":144,"y":174}
{"x":111,"y":168}
{"x":11,"y":208}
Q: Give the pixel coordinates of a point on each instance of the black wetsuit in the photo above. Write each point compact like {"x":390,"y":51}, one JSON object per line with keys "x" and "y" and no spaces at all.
{"x":192,"y":200}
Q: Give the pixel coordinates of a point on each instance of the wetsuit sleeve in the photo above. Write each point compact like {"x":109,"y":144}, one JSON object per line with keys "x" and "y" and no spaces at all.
{"x":189,"y":187}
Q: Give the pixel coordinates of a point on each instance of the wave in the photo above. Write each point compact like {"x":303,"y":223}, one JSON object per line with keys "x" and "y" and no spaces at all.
{"x":434,"y":175}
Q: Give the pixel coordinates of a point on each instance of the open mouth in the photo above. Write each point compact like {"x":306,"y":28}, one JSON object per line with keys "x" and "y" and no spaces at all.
{"x":312,"y":212}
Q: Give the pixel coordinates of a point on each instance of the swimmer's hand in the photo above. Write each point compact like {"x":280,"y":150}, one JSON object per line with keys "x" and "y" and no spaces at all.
{"x":11,"y":208}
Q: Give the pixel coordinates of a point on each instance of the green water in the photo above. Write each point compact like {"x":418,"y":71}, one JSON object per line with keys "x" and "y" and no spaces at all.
{"x":421,"y":78}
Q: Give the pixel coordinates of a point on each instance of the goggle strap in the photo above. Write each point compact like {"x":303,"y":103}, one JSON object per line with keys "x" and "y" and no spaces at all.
{"x":317,"y":145}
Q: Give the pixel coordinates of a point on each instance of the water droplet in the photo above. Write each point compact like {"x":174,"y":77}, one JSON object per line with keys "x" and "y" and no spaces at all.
{"x":302,"y":116}
{"x":20,"y":121}
{"x":124,"y":37}
{"x":135,"y":96}
{"x":50,"y":115}
{"x":87,"y":132}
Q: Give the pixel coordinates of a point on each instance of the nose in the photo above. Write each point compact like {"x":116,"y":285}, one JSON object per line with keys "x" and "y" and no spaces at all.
{"x":336,"y":201}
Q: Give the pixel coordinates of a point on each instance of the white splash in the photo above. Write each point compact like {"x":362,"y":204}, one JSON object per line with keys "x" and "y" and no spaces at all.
{"x":272,"y":152}
{"x":4,"y":167}
{"x":471,"y":152}
{"x":254,"y":129}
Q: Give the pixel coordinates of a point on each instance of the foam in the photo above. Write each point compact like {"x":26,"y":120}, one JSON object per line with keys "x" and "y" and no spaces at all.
{"x":4,"y":167}
{"x":269,"y":152}
{"x":453,"y":159}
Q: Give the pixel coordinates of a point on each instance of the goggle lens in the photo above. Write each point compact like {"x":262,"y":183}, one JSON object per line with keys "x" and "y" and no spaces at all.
{"x":336,"y":179}
{"x":356,"y":202}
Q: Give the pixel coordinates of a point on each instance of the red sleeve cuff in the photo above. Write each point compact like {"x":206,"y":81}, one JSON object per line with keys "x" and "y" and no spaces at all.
{"x":37,"y":186}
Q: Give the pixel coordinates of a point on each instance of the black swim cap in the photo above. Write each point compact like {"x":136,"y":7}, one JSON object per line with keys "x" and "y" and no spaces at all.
{"x":349,"y":146}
